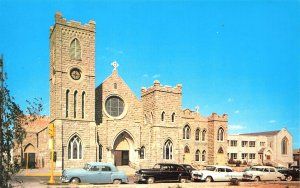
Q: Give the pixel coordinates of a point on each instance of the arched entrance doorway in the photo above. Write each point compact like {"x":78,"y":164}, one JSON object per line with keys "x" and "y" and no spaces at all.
{"x":187,"y":155}
{"x":29,"y":156}
{"x":123,"y":149}
{"x":221,"y":158}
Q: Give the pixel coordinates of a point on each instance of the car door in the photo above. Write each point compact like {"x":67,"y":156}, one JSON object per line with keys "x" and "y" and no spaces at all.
{"x":228,"y":174}
{"x":92,"y":174}
{"x":220,"y":174}
{"x":273,"y":174}
{"x":105,"y":174}
{"x":165,"y":173}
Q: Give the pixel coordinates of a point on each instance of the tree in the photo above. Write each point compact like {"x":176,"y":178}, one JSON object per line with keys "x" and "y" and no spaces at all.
{"x":11,"y":130}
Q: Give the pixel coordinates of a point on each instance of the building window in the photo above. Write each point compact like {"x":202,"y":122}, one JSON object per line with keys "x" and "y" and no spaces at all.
{"x":142,"y":153}
{"x":220,"y":150}
{"x":67,"y":103}
{"x":145,"y":120}
{"x":233,"y":143}
{"x":114,"y":106}
{"x":197,"y":155}
{"x":262,"y":143}
{"x":220,"y":134}
{"x":168,"y":150}
{"x":197,"y":135}
{"x":100,"y":152}
{"x":203,"y":155}
{"x":115,"y":85}
{"x":173,"y":117}
{"x":244,"y":143}
{"x":163,"y":116}
{"x":244,"y":155}
{"x":75,"y":148}
{"x":251,"y":155}
{"x":75,"y":50}
{"x":186,"y":132}
{"x":82,"y":105}
{"x":75,"y":101}
{"x":203,"y":135}
{"x":284,"y":146}
{"x":233,"y":155}
{"x":251,"y":143}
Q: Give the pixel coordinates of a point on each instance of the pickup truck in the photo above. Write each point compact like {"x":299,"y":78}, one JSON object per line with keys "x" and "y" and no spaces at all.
{"x":216,"y":173}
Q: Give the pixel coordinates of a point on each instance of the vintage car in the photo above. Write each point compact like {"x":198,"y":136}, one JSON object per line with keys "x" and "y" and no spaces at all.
{"x":216,"y":173}
{"x":163,"y":172}
{"x":263,"y":173}
{"x":290,"y":174}
{"x":94,"y":172}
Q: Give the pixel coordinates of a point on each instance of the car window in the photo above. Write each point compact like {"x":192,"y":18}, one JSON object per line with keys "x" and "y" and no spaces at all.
{"x":105,"y":168}
{"x":173,"y":168}
{"x":210,"y":168}
{"x":272,"y":170}
{"x":266,"y":170}
{"x":164,"y":168}
{"x":179,"y":168}
{"x":94,"y":168}
{"x":228,"y":170}
{"x":86,"y":166}
{"x":157,"y":166}
{"x":221,"y":169}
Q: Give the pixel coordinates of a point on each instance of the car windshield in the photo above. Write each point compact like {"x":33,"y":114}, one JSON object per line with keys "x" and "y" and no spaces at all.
{"x":86,"y":167}
{"x":157,"y":166}
{"x":210,"y":168}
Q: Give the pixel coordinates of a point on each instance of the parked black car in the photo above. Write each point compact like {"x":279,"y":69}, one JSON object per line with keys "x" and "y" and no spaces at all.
{"x":163,"y":172}
{"x":291,"y":174}
{"x":188,"y":167}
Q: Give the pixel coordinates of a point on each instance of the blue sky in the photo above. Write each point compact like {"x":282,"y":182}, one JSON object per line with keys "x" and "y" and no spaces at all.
{"x":234,"y":57}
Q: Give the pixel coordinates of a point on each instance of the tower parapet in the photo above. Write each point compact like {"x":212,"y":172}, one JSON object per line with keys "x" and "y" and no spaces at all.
{"x":90,"y":26}
{"x":215,"y":117}
{"x":158,"y":87}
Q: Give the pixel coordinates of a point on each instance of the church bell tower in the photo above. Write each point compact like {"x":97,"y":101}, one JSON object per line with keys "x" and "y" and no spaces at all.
{"x":72,"y":91}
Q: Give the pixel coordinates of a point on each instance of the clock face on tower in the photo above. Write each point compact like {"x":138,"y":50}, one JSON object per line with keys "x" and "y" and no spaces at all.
{"x":75,"y":74}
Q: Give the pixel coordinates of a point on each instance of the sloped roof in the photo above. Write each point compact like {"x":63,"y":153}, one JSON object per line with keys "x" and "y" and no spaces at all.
{"x":268,"y":133}
{"x":296,"y":151}
{"x":36,"y":126}
{"x":261,"y":150}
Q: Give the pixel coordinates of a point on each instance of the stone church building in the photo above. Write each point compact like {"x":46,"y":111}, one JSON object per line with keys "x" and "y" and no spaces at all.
{"x":110,"y":123}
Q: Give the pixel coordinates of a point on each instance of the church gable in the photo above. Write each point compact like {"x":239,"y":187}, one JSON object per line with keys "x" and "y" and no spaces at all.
{"x":115,"y":100}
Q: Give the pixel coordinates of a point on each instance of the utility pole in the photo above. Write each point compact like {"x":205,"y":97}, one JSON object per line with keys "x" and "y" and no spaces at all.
{"x":1,"y":117}
{"x":52,"y":133}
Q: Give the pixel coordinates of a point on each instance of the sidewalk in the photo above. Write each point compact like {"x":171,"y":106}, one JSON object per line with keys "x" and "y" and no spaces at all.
{"x":38,"y":172}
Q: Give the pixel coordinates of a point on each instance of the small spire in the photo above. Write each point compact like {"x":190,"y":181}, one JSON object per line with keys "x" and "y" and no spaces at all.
{"x":115,"y":65}
{"x":197,"y":108}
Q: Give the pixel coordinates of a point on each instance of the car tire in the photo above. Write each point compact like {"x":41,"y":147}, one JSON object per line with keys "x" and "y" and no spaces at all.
{"x":289,"y":178}
{"x":75,"y":180}
{"x":182,"y":180}
{"x":256,"y":179}
{"x":208,"y":179}
{"x":117,"y":182}
{"x":150,"y":180}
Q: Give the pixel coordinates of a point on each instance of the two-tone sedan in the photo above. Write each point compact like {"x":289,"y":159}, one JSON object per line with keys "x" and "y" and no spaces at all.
{"x":259,"y":173}
{"x":94,"y":172}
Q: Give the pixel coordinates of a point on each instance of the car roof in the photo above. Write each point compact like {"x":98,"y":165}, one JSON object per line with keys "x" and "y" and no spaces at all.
{"x":169,"y":164}
{"x":99,"y":163}
{"x":263,"y":167}
{"x":220,"y":166}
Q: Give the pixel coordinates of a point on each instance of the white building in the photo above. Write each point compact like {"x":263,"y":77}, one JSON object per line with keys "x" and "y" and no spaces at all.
{"x":273,"y":147}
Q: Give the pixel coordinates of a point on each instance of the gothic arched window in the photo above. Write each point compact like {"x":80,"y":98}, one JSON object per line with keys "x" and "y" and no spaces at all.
{"x":203,"y":155}
{"x":75,"y":101}
{"x":75,"y":49}
{"x":67,"y":103}
{"x":173,"y":117}
{"x":203,"y":135}
{"x":163,"y":116}
{"x":197,"y":135}
{"x":75,"y":148}
{"x":82,"y":105}
{"x":168,"y":150}
{"x":186,"y":132}
{"x":197,"y":155}
{"x":220,"y":134}
{"x":284,"y":143}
